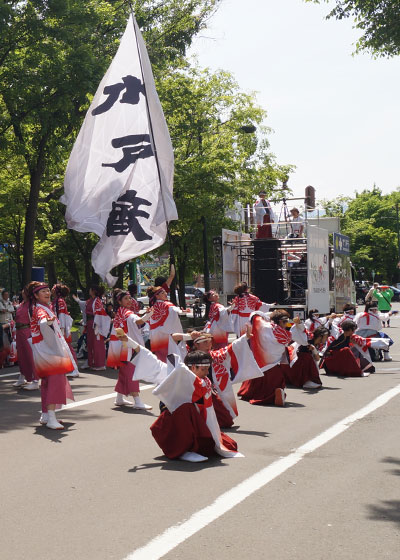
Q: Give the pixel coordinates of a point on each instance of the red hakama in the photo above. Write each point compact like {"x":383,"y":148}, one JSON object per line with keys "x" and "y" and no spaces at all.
{"x":343,"y":363}
{"x":261,"y":390}
{"x":186,"y":430}
{"x":55,"y":389}
{"x":96,"y":348}
{"x":125,"y":385}
{"x":223,"y":415}
{"x":304,"y":369}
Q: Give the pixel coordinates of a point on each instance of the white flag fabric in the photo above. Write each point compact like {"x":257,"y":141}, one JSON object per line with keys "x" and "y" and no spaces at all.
{"x":118,"y":182}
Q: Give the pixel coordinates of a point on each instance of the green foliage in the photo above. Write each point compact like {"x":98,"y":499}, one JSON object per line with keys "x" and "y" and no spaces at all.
{"x":379,"y":21}
{"x":53,"y":55}
{"x":371,"y":221}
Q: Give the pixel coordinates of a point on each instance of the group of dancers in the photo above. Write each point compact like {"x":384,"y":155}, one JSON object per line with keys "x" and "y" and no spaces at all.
{"x":194,"y":373}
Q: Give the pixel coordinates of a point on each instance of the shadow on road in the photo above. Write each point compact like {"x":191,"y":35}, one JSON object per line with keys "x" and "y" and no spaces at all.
{"x":388,"y":510}
{"x":165,"y":464}
{"x":393,"y":461}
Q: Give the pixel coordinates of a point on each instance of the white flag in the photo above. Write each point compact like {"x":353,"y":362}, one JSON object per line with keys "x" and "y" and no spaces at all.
{"x":119,"y":177}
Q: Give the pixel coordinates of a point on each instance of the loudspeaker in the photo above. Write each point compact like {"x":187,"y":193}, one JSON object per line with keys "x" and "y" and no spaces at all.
{"x":267,"y":273}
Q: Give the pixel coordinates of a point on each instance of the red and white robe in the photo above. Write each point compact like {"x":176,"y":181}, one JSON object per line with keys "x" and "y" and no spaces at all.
{"x":271,"y":346}
{"x":163,"y":322}
{"x":51,"y":356}
{"x":134,"y":305}
{"x":219,"y":324}
{"x":312,"y":324}
{"x":368,"y":322}
{"x":243,"y":307}
{"x":336,"y":329}
{"x":97,"y":329}
{"x":189,"y":398}
{"x":117,"y":351}
{"x":233,"y":364}
{"x":351,"y":358}
{"x":60,"y":309}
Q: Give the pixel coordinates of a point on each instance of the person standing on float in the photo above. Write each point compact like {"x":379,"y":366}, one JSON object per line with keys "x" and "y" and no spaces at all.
{"x":50,"y":353}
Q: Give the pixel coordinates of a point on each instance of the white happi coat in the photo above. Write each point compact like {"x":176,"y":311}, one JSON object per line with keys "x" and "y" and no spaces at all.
{"x":233,"y":364}
{"x":269,"y":343}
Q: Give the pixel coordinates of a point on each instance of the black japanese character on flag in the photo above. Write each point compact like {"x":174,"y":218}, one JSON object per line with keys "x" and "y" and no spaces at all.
{"x":138,"y":147}
{"x":123,"y":218}
{"x":133,"y":87}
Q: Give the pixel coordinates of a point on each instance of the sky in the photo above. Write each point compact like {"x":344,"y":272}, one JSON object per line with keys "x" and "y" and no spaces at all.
{"x":335,"y":116}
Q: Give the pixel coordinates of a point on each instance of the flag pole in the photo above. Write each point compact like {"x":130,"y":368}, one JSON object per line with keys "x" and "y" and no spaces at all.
{"x":171,"y":246}
{"x":149,"y":118}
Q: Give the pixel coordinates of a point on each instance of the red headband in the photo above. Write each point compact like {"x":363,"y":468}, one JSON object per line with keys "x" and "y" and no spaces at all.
{"x":38,"y":288}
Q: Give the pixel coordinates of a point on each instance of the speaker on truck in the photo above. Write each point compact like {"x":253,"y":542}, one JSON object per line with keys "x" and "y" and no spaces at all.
{"x":267,"y":273}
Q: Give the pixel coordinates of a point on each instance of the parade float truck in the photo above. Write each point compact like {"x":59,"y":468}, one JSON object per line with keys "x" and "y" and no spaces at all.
{"x":297,"y":274}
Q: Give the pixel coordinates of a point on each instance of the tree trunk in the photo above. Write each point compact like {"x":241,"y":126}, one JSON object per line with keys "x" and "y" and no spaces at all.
{"x":181,"y":275}
{"x":30,"y":225}
{"x":51,"y":273}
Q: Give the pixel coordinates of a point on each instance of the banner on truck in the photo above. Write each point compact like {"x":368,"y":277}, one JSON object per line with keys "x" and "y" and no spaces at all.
{"x":318,"y":269}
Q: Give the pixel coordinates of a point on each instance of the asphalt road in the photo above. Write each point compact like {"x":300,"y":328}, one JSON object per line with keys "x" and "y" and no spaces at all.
{"x":102,"y":489}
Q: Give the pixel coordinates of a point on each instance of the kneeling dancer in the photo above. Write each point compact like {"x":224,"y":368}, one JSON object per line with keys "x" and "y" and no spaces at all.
{"x":348,"y":355}
{"x":271,"y":348}
{"x":188,"y":429}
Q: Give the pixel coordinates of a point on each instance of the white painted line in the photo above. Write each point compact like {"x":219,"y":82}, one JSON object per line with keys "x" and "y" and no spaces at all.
{"x":388,"y":369}
{"x":101,"y":398}
{"x":10,"y":374}
{"x":175,"y":535}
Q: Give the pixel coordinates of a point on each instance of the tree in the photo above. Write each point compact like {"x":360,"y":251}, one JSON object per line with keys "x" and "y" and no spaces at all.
{"x":53,"y":55}
{"x":379,"y":20}
{"x":370,"y":221}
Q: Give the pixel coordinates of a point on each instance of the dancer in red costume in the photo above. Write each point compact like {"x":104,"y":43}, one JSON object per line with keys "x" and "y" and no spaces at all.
{"x":97,"y":329}
{"x":50,"y":353}
{"x":27,"y":378}
{"x":219,"y":322}
{"x":187,"y":429}
{"x":348,"y":356}
{"x":243,"y":306}
{"x":163,"y":322}
{"x":271,"y":345}
{"x":59,"y":307}
{"x":119,"y":355}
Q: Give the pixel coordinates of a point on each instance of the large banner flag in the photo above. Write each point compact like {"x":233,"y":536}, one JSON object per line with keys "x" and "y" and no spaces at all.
{"x":119,"y":177}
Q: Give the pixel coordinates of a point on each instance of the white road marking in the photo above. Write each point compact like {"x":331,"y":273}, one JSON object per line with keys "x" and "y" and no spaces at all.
{"x":177,"y":534}
{"x":101,"y":398}
{"x":10,"y":374}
